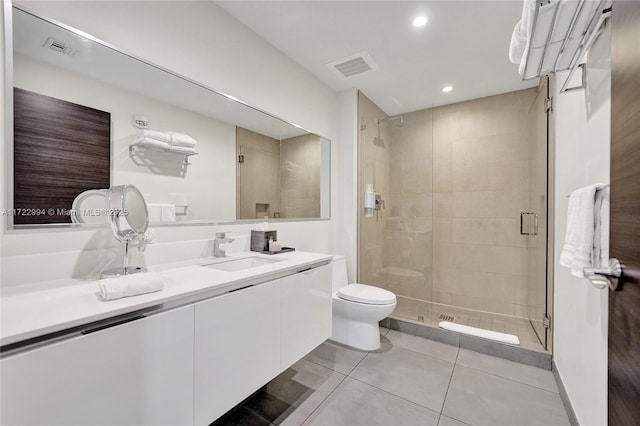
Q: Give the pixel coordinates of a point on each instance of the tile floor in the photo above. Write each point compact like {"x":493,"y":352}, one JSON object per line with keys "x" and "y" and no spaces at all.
{"x":408,"y":381}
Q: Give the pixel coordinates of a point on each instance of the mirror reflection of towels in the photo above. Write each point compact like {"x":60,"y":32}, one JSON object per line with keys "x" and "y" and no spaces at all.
{"x":161,"y":212}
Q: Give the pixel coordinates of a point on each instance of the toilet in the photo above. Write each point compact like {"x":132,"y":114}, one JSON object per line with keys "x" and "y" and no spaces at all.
{"x":357,"y":309}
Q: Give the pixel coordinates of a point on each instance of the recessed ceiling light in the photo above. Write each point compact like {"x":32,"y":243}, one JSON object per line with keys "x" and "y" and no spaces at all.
{"x":446,"y":89}
{"x":419,"y":21}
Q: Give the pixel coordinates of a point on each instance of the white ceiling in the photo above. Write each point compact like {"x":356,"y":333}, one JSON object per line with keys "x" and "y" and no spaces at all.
{"x":464,"y":44}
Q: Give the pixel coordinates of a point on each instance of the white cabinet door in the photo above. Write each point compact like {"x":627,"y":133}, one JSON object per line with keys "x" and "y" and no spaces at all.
{"x":135,"y":373}
{"x":237,"y":347}
{"x":306,"y":313}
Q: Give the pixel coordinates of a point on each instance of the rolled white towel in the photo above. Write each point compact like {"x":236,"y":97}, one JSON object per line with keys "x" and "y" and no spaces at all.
{"x":130,"y":285}
{"x":153,"y":134}
{"x":154,"y":143}
{"x":182,"y":139}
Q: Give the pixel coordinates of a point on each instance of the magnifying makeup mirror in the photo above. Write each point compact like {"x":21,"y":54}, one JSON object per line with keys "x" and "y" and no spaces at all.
{"x":128,"y":217}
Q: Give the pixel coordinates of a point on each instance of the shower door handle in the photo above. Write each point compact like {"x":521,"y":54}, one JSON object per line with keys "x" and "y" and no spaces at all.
{"x":535,"y":223}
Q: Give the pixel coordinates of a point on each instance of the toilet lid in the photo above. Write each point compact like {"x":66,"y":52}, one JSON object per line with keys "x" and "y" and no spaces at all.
{"x":366,"y":294}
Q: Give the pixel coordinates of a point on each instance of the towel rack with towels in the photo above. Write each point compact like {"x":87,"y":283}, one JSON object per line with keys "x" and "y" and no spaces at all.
{"x":599,"y":188}
{"x":562,"y":31}
{"x":186,"y":155}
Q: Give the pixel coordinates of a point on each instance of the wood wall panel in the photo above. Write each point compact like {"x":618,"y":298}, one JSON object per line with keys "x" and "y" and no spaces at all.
{"x":60,"y":150}
{"x":624,"y":306}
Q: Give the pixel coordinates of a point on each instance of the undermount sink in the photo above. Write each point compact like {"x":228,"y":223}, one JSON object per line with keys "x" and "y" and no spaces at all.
{"x":233,"y":265}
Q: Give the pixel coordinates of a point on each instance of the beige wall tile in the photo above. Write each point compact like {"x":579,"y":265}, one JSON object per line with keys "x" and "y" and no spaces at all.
{"x":506,"y":260}
{"x":442,"y":230}
{"x":442,"y":179}
{"x":486,"y":231}
{"x":442,"y":204}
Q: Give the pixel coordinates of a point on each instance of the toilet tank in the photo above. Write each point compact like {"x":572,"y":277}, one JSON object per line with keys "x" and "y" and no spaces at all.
{"x":339,"y":273}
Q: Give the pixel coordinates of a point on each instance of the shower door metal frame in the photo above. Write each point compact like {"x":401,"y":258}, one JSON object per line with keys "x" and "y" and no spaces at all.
{"x":542,"y":326}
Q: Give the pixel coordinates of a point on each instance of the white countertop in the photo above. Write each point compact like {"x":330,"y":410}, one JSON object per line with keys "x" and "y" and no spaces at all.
{"x":74,"y":303}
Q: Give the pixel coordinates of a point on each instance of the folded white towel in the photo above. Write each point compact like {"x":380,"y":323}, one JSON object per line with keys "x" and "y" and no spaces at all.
{"x":154,"y":143}
{"x":161,"y":212}
{"x":130,"y":285}
{"x":182,"y":139}
{"x":580,"y":238}
{"x":183,"y":149}
{"x":153,"y":134}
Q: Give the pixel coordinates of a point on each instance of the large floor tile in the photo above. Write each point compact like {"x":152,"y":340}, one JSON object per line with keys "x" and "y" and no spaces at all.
{"x":292,"y":396}
{"x":508,"y":369}
{"x":336,"y":357}
{"x":422,"y":345}
{"x":419,"y":378}
{"x":448,"y":421}
{"x":480,"y":398}
{"x":241,"y":416}
{"x":355,"y":403}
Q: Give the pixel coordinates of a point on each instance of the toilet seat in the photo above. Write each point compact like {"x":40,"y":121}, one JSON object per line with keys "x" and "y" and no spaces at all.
{"x":366,"y":294}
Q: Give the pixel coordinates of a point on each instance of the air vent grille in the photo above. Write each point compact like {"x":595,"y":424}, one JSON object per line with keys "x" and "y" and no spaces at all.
{"x":353,"y":65}
{"x":57,"y":46}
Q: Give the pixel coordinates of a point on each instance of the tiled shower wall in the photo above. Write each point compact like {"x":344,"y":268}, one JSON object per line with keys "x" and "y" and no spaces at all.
{"x":458,"y":177}
{"x":373,"y":167}
{"x":483,"y":168}
{"x":300,"y":176}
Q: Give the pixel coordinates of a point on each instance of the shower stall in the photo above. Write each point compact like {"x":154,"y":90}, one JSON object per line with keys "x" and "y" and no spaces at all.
{"x":457,"y":223}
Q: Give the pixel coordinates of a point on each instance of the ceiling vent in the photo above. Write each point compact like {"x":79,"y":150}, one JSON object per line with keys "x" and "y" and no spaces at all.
{"x":58,"y":46}
{"x":353,"y":65}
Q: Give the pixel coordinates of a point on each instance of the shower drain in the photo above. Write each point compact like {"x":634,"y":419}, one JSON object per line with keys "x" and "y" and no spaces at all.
{"x":446,"y":318}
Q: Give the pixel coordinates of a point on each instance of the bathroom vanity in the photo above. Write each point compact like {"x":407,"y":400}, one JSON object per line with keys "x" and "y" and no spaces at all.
{"x":184,"y":355}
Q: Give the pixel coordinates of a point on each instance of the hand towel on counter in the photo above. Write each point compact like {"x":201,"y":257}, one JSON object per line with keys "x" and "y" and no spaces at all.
{"x":130,"y":285}
{"x":153,"y":134}
{"x":182,"y":139}
{"x":586,"y":242}
{"x":161,"y":212}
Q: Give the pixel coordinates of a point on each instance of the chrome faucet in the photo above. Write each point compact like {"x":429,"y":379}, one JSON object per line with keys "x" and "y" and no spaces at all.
{"x":218,"y":244}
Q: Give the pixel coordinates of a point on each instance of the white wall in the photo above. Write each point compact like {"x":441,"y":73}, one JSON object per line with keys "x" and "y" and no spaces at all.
{"x":345,"y":234}
{"x":200,"y":41}
{"x":581,"y":311}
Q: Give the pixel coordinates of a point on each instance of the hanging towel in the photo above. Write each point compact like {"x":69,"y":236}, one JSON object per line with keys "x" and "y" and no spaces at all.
{"x":182,"y":139}
{"x":600,"y":252}
{"x":583,"y":246}
{"x":153,"y":134}
{"x":129,"y":285}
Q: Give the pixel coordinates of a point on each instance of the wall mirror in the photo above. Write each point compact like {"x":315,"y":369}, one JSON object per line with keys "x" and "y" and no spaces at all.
{"x":88,"y":117}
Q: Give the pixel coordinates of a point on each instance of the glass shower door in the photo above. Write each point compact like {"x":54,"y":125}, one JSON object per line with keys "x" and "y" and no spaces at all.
{"x":534,"y":223}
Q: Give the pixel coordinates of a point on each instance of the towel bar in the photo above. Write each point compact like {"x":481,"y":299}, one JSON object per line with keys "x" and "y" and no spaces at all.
{"x":601,"y":278}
